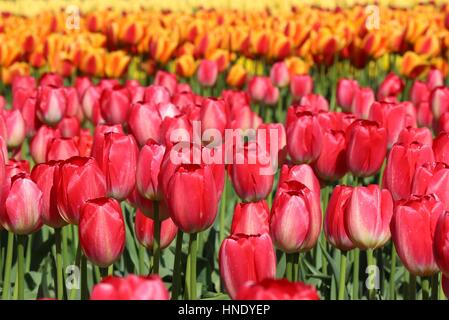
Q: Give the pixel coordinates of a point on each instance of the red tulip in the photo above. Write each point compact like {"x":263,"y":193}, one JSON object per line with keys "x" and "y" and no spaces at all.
{"x":21,"y":211}
{"x":81,"y":84}
{"x":432,"y":178}
{"x":90,"y":101}
{"x":435,"y":78}
{"x":315,"y":101}
{"x":15,"y":127}
{"x":257,"y":88}
{"x":44,"y":176}
{"x":213,"y":115}
{"x":304,"y":136}
{"x":119,"y":164}
{"x":277,"y":289}
{"x":102,"y":231}
{"x":251,"y":218}
{"x":300,"y":86}
{"x":441,"y":147}
{"x":79,"y":180}
{"x":207,"y":73}
{"x":442,"y":125}
{"x":410,"y":134}
{"x":84,"y":142}
{"x":413,"y":228}
{"x":28,"y":110}
{"x":99,"y":132}
{"x":390,"y":116}
{"x":362,"y":101}
{"x":302,"y":173}
{"x":62,"y":149}
{"x":271,"y":96}
{"x":250,"y":172}
{"x":51,"y":104}
{"x":166,"y":80}
{"x":74,"y":108}
{"x":130,"y":288}
{"x":439,"y":101}
{"x":69,"y":127}
{"x":279,"y":74}
{"x":424,"y":115}
{"x":346,"y":89}
{"x":144,"y":122}
{"x":391,"y":86}
{"x":275,"y":141}
{"x":144,"y":228}
{"x":401,"y":166}
{"x":115,"y":105}
{"x":25,"y":82}
{"x":440,"y":244}
{"x":191,"y":196}
{"x":147,"y":171}
{"x":334,"y":222}
{"x":366,"y":147}
{"x":156,"y":94}
{"x":246,"y":258}
{"x":51,"y":79}
{"x":331,"y":165}
{"x":419,"y":92}
{"x":295,"y":221}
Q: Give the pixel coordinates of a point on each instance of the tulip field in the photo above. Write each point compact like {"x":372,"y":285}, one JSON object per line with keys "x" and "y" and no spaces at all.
{"x":186,"y":150}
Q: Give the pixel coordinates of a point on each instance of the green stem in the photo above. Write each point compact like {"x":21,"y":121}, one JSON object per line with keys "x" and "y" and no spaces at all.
{"x":65,"y":259}
{"x":21,"y":265}
{"x":412,"y":287}
{"x":157,"y":238}
{"x":8,"y":262}
{"x":28,"y":253}
{"x":441,"y":295}
{"x":192,"y":255}
{"x":84,"y":287}
{"x":371,"y":262}
{"x":342,"y":280}
{"x":434,"y":285}
{"x":355,"y":280}
{"x":111,"y":270}
{"x":392,"y":273}
{"x":425,"y":288}
{"x":223,"y":210}
{"x":77,"y":263}
{"x":142,"y":259}
{"x":289,"y":270}
{"x":59,"y":273}
{"x":177,"y":266}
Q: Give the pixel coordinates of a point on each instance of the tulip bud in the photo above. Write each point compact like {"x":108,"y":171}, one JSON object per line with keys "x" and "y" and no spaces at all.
{"x":279,"y":74}
{"x":401,"y":165}
{"x":410,"y":134}
{"x":413,"y":227}
{"x":334,"y":223}
{"x":250,"y":172}
{"x":147,"y":171}
{"x":15,"y":127}
{"x":419,"y":92}
{"x":78,"y":180}
{"x":300,"y":86}
{"x":362,"y":101}
{"x":207,"y":73}
{"x":156,"y":94}
{"x":277,"y":289}
{"x":304,"y":136}
{"x":99,"y":132}
{"x":91,"y":101}
{"x":213,"y":115}
{"x":130,"y":288}
{"x":115,"y":105}
{"x":368,"y":216}
{"x":366,"y":147}
{"x":331,"y":165}
{"x":390,"y":116}
{"x":144,"y":228}
{"x":246,"y":258}
{"x":28,"y":110}
{"x":435,"y":78}
{"x":391,"y":86}
{"x":251,"y":218}
{"x":40,"y":142}
{"x":22,"y":208}
{"x":51,"y":104}
{"x":271,"y":96}
{"x":74,"y":108}
{"x":439,"y":101}
{"x":62,"y":149}
{"x":295,"y":221}
{"x":102,"y":231}
{"x":346,"y":89}
{"x":69,"y":127}
{"x":119,"y":162}
{"x":144,"y":122}
{"x":257,"y":88}
{"x":440,"y":243}
{"x":441,"y":147}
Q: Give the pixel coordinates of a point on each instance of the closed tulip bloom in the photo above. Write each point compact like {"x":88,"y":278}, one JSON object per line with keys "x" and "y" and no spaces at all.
{"x":257,"y":88}
{"x":419,"y":92}
{"x":81,"y":84}
{"x":44,"y":176}
{"x":368,"y":216}
{"x":277,"y":289}
{"x":191,"y":196}
{"x":79,"y":179}
{"x":441,"y":243}
{"x":362,"y":101}
{"x":84,"y":143}
{"x":271,"y":96}
{"x":402,"y":162}
{"x":435,"y":78}
{"x":62,"y":149}
{"x":275,"y":141}
{"x":432,"y":178}
{"x":90,"y":101}
{"x":74,"y":108}
{"x":213,"y":115}
{"x":251,"y":218}
{"x":331,"y":165}
{"x":413,"y":228}
{"x":51,"y":79}
{"x":119,"y":164}
{"x":156,"y":94}
{"x":366,"y":147}
{"x":410,"y":134}
{"x":69,"y":127}
{"x":390,"y":116}
{"x":28,"y":110}
{"x":334,"y":222}
{"x":442,"y":125}
{"x":22,"y":211}
{"x":148,"y":168}
{"x":166,"y":80}
{"x":315,"y":101}
{"x":251,"y":178}
{"x":391,"y":86}
{"x":295,"y":221}
{"x":439,"y":101}
{"x":245,"y":258}
{"x":102,"y":231}
{"x":15,"y":127}
{"x":51,"y":104}
{"x":279,"y":74}
{"x":346,"y":89}
{"x":99,"y":132}
{"x":131,"y":287}
{"x":300,"y":86}
{"x":304,"y":137}
{"x":144,"y":122}
{"x":207,"y":73}
{"x":144,"y":228}
{"x":115,"y":105}
{"x":441,"y":147}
